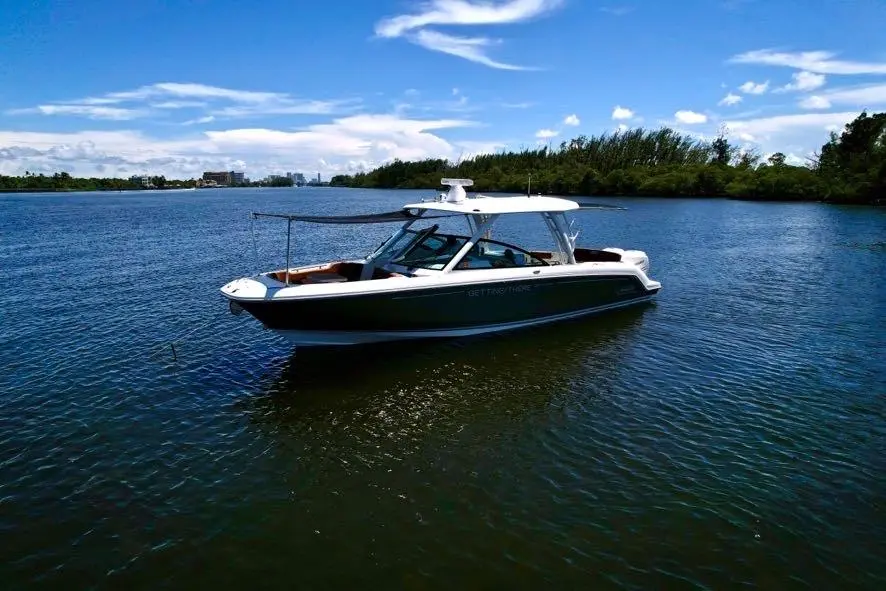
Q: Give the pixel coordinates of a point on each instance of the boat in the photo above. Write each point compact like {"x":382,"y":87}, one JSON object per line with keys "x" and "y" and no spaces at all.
{"x":424,"y":282}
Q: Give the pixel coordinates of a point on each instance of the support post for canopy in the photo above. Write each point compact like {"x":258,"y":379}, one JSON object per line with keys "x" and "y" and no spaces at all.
{"x":482,"y":229}
{"x":288,"y":234}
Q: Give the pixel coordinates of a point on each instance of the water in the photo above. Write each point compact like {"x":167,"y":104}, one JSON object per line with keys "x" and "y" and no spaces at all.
{"x":733,"y":433}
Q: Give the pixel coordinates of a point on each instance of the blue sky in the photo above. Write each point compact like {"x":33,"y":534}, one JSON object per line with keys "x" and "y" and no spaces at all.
{"x":176,"y":87}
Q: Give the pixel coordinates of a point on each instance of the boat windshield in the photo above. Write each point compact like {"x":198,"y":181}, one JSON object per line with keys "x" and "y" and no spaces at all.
{"x":434,"y":251}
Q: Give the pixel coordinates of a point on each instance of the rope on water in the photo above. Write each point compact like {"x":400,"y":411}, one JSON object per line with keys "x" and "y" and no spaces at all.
{"x":254,"y":243}
{"x":160,"y":347}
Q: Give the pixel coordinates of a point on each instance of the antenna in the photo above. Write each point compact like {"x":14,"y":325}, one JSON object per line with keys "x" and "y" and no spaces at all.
{"x":456,"y":192}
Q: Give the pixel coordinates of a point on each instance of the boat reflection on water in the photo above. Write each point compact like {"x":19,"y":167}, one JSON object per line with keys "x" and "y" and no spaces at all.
{"x":507,"y":370}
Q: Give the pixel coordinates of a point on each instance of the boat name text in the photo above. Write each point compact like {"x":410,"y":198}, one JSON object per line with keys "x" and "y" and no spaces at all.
{"x":497,"y":291}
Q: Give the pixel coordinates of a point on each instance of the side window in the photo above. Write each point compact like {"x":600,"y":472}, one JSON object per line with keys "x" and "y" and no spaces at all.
{"x":493,"y":255}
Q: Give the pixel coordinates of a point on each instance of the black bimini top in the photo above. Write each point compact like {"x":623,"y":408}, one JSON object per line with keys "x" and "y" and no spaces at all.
{"x":401,"y":215}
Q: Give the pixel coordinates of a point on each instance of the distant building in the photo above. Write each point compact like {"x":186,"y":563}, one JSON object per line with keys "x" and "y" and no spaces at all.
{"x":219,"y":178}
{"x":143,"y":180}
{"x":317,"y":182}
{"x":297,"y":178}
{"x":224,"y":178}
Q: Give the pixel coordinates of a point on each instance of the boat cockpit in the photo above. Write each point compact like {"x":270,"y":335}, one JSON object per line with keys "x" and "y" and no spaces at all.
{"x":414,"y":252}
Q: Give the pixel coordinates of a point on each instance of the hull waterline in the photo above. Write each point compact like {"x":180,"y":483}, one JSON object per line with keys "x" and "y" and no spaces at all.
{"x":319,"y":338}
{"x":445,"y":311}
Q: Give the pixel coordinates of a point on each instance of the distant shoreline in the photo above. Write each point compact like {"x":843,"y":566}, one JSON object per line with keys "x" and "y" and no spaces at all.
{"x":137,"y":190}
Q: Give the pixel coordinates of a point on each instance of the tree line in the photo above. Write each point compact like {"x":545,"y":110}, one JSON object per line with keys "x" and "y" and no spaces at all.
{"x":62,"y":181}
{"x":849,"y":168}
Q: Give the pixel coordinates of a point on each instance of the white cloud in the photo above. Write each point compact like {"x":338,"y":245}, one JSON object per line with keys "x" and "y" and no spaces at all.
{"x":198,"y":120}
{"x":622,"y":127}
{"x":821,"y":62}
{"x":751,"y":87}
{"x":815,"y":102}
{"x":469,"y":48}
{"x":730,"y":99}
{"x":342,"y":145}
{"x":463,"y":12}
{"x":170,"y":96}
{"x":803,"y":82}
{"x":690,"y":117}
{"x":768,"y":127}
{"x":193,"y":90}
{"x":620,"y":113}
{"x":177,"y":104}
{"x":863,"y":97}
{"x":572,"y":120}
{"x":544,"y":134}
{"x":82,"y":110}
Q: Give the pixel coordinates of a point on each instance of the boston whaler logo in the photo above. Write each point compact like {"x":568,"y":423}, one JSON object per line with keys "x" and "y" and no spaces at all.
{"x":497,"y":291}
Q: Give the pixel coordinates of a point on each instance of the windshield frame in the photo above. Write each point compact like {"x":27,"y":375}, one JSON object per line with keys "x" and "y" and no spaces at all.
{"x":452,"y":247}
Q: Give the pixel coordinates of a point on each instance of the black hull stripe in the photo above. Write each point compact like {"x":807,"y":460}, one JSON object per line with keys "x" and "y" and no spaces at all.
{"x":462,"y":308}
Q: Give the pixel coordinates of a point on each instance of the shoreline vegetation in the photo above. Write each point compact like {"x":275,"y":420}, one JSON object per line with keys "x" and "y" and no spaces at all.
{"x":62,"y":182}
{"x":849,"y":168}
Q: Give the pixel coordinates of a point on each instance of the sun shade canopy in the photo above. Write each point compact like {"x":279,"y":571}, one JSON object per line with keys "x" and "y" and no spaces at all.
{"x":486,"y":205}
{"x":401,"y":215}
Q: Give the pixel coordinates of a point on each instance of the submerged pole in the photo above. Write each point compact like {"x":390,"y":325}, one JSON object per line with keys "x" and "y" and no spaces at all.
{"x":288,"y":234}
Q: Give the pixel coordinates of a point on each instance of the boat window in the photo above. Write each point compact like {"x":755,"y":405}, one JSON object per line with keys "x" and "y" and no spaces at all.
{"x":431,"y":251}
{"x":488,"y":254}
{"x":384,"y":252}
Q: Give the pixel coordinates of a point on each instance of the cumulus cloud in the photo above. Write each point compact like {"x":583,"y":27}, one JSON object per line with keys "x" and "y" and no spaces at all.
{"x":751,"y":87}
{"x":803,"y":81}
{"x":730,"y":99}
{"x":620,"y":113}
{"x":341,"y":145}
{"x":768,"y":127}
{"x":463,"y":12}
{"x":572,"y":120}
{"x":690,"y":117}
{"x":815,"y":102}
{"x":544,"y":134}
{"x":821,"y":62}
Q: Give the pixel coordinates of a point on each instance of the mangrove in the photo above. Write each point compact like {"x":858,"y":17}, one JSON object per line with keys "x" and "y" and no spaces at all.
{"x":849,"y":168}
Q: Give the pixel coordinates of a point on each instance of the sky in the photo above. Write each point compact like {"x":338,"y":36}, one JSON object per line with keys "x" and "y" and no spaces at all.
{"x":176,"y":87}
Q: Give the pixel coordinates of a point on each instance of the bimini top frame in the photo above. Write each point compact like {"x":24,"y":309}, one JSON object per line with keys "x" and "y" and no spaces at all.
{"x":481,"y":213}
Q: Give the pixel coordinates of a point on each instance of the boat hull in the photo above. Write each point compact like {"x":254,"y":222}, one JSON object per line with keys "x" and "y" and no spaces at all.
{"x":445,"y":311}
{"x":316,"y":338}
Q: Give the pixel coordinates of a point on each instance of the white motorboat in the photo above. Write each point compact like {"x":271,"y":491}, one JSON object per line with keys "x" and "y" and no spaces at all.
{"x":426,"y":283}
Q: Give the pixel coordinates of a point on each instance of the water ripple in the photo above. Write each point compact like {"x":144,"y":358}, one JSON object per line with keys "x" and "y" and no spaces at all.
{"x":732,"y":434}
